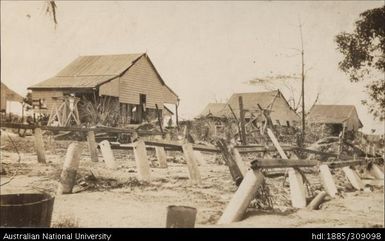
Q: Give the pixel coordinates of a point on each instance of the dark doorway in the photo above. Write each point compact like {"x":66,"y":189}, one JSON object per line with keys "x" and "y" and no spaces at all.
{"x":142,"y":107}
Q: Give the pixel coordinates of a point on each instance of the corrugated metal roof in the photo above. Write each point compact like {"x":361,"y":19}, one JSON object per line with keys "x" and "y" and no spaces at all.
{"x":214,"y":109}
{"x":73,"y":82}
{"x":90,"y":71}
{"x":330,"y":113}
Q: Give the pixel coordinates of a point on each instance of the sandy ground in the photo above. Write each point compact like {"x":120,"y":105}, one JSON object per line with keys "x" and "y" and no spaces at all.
{"x":117,"y":199}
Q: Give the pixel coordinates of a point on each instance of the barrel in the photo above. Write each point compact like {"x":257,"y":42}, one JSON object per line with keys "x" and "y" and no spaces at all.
{"x":26,"y":210}
{"x":180,"y":217}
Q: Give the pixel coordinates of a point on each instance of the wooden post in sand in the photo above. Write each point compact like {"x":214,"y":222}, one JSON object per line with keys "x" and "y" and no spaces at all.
{"x":92,"y":146}
{"x":188,"y":152}
{"x":240,"y":201}
{"x":376,"y":172}
{"x":238,"y":159}
{"x":39,"y":146}
{"x":297,"y":189}
{"x":108,"y":155}
{"x":141,"y":160}
{"x":314,"y":204}
{"x":161,"y":156}
{"x":199,"y":158}
{"x":70,"y":167}
{"x":327,"y":181}
{"x":353,"y":178}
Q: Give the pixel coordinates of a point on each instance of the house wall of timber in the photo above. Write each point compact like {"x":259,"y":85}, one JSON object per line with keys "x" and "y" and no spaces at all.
{"x":142,"y":78}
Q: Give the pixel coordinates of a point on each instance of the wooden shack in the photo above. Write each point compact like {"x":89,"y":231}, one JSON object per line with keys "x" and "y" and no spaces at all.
{"x":130,"y":80}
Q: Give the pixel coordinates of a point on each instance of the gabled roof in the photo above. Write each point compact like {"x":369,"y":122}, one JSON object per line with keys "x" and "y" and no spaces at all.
{"x":9,"y":94}
{"x":332,"y":113}
{"x":214,"y":110}
{"x":251,"y":100}
{"x":90,"y":71}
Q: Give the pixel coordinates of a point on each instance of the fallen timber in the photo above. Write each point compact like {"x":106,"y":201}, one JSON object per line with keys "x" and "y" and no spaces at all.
{"x":78,"y":129}
{"x":279,"y":163}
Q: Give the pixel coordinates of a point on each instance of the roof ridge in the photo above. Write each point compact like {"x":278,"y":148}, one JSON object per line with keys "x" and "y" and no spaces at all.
{"x":255,"y":92}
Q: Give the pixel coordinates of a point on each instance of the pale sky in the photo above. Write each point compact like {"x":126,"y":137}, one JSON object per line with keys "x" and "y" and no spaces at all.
{"x":205,"y":51}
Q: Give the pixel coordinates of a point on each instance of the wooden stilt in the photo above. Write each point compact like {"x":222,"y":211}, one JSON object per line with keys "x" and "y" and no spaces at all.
{"x":327,"y":180}
{"x":239,"y":161}
{"x":199,"y":158}
{"x":195,"y":175}
{"x":297,"y":189}
{"x":235,"y":172}
{"x":161,"y":156}
{"x":242,"y":197}
{"x":70,"y":167}
{"x":314,"y":204}
{"x":92,"y":146}
{"x":141,"y":160}
{"x":353,"y":178}
{"x":108,"y":155}
{"x":376,"y":172}
{"x":39,"y":146}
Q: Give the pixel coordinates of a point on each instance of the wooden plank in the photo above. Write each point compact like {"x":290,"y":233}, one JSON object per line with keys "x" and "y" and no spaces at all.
{"x":108,"y":155}
{"x":246,"y":192}
{"x":39,"y":146}
{"x":194,"y":173}
{"x":327,"y":180}
{"x":70,"y":167}
{"x":339,"y":164}
{"x":141,"y":160}
{"x":282,"y":163}
{"x":161,"y":156}
{"x":353,"y":178}
{"x":92,"y":146}
{"x":77,"y":129}
{"x":297,"y":189}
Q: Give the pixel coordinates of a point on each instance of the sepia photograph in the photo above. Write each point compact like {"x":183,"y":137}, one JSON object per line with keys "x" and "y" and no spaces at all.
{"x":191,"y":114}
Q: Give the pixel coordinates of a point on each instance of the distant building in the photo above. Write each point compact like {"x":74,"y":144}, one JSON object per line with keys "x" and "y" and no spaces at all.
{"x":281,"y":112}
{"x":131,"y":79}
{"x":8,"y":95}
{"x":335,"y":117}
{"x":216,"y":110}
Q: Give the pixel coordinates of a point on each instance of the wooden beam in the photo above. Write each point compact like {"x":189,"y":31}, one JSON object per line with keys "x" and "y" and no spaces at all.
{"x":297,"y":189}
{"x":235,"y":171}
{"x":242,"y":121}
{"x":246,"y":192}
{"x":338,"y":164}
{"x":77,"y":129}
{"x":282,"y":163}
